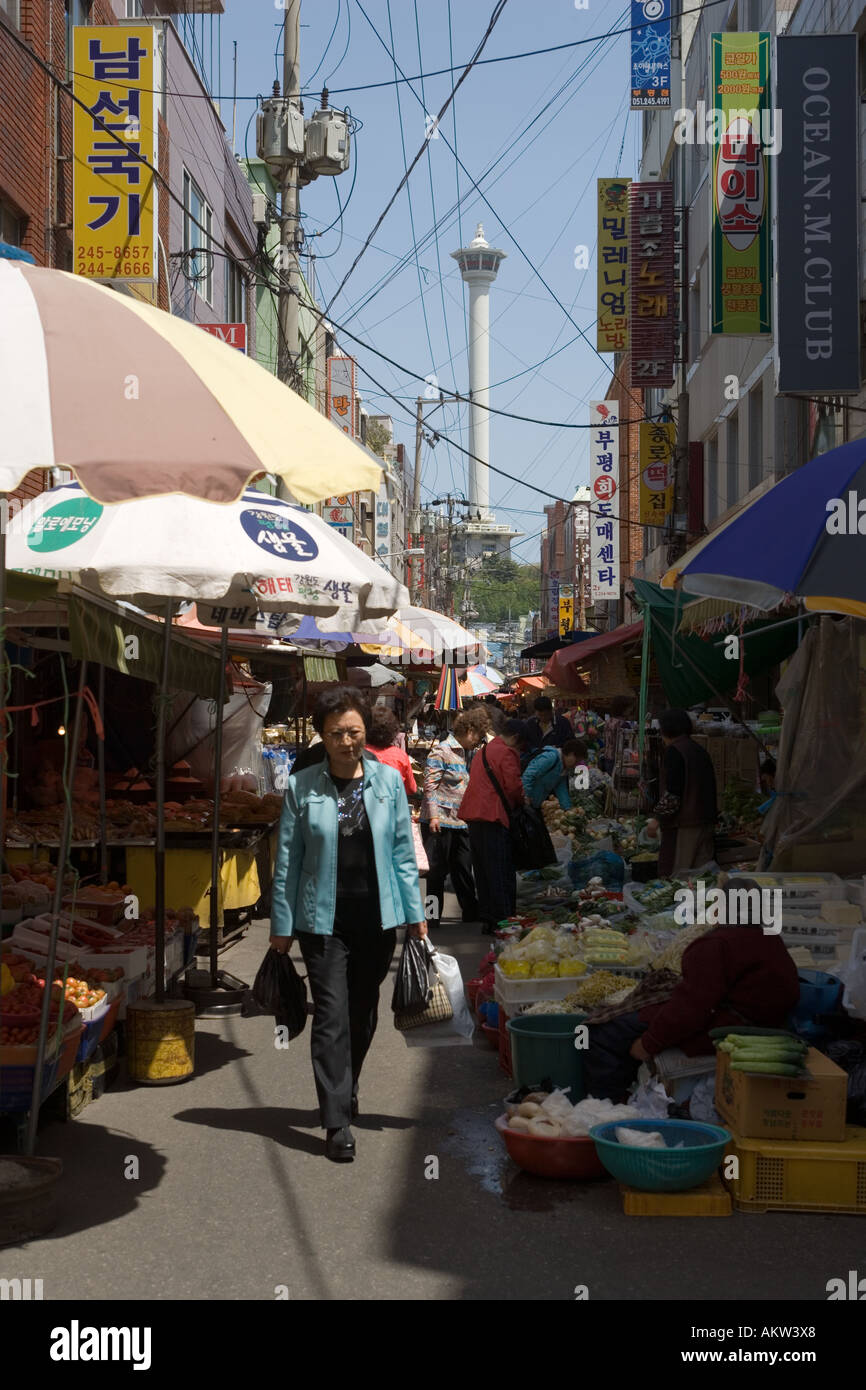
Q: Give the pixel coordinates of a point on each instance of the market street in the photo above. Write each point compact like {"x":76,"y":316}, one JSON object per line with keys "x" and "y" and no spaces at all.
{"x":235,"y":1197}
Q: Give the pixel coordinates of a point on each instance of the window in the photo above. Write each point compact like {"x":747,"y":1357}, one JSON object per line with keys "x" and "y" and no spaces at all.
{"x":77,"y":12}
{"x":756,"y":435}
{"x":12,"y":11}
{"x":11,"y":226}
{"x":711,"y":488}
{"x":133,"y":9}
{"x":236,"y":293}
{"x":197,"y":228}
{"x":732,"y":470}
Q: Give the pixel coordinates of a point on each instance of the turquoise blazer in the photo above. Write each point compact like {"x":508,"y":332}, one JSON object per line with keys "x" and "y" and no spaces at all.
{"x":304,"y":893}
{"x":545,"y":776}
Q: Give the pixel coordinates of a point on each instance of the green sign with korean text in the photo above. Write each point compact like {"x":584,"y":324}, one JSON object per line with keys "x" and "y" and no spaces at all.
{"x":740,"y":233}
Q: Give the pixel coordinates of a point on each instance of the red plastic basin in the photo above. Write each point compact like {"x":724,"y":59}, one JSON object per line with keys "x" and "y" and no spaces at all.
{"x":552,"y":1158}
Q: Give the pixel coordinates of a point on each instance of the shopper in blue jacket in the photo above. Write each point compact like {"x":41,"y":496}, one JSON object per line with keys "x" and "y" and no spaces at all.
{"x":548,"y":772}
{"x":345,"y":878}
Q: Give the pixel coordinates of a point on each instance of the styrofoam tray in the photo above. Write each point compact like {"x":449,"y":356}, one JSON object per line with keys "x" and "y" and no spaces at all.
{"x":799,"y":888}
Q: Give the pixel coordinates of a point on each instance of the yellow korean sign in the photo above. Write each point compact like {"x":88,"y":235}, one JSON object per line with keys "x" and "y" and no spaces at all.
{"x":613,"y":271}
{"x":114,"y":192}
{"x":566,"y":609}
{"x":656,"y":471}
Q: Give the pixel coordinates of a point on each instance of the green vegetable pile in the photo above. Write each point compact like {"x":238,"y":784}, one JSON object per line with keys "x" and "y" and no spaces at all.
{"x":740,"y":804}
{"x":767,"y":1053}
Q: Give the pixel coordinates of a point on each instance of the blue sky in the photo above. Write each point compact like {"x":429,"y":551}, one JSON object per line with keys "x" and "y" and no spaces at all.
{"x":542,"y":191}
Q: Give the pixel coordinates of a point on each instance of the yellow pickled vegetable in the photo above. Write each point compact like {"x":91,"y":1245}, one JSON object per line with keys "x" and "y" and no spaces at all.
{"x":572,"y":966}
{"x":516,"y":969}
{"x":543,"y":969}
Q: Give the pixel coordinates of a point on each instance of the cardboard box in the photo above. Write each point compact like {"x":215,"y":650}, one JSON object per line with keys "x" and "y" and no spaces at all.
{"x":782,"y":1107}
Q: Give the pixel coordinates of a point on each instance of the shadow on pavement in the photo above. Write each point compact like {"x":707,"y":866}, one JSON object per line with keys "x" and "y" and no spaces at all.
{"x":100,"y":1183}
{"x":281,"y":1123}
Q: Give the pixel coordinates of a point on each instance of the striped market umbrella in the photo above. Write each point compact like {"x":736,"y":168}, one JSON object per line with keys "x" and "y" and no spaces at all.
{"x":138,"y":402}
{"x":479,"y":680}
{"x":804,"y":539}
{"x":448,"y":694}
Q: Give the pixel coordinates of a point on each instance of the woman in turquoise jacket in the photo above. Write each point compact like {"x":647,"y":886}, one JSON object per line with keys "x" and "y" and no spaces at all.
{"x":547,"y":774}
{"x":345,"y":878}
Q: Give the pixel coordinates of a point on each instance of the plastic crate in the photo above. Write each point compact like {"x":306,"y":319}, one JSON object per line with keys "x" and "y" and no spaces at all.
{"x":799,"y":890}
{"x":710,"y":1199}
{"x":790,"y":1175}
{"x":531,"y":991}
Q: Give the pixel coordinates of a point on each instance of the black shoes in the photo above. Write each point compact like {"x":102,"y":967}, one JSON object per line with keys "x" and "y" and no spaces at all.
{"x":339,"y":1145}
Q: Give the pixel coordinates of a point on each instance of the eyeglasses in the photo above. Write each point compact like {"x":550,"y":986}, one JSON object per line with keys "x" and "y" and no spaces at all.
{"x":340,"y":735}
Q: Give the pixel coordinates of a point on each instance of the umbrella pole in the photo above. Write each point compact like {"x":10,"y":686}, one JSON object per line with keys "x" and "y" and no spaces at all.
{"x":215,"y":838}
{"x":62,"y":856}
{"x":161,"y":720}
{"x":100,"y":763}
{"x":214,"y":992}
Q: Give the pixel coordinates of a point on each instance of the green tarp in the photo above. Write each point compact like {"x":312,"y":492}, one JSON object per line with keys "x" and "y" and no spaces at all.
{"x":318,"y":669}
{"x":135,"y":647}
{"x":690,"y":666}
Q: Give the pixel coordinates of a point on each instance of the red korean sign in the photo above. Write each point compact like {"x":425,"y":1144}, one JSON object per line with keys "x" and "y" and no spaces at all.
{"x":652,"y":312}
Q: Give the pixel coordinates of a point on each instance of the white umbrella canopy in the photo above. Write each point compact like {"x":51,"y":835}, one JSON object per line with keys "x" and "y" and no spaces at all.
{"x":235,"y":559}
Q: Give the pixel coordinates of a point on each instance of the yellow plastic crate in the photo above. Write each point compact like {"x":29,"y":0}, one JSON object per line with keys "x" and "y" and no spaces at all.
{"x":710,"y":1199}
{"x":790,"y":1175}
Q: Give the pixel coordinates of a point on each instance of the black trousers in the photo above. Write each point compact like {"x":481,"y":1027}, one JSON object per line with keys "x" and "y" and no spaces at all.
{"x":608,"y":1069}
{"x":495,"y":878}
{"x":449,"y":852}
{"x":345,"y":972}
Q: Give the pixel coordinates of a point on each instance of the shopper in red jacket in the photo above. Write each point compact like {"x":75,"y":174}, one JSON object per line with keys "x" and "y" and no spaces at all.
{"x":487,"y":817}
{"x":732,"y":975}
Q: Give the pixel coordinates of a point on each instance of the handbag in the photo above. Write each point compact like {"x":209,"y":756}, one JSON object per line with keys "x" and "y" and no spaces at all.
{"x":531,"y":845}
{"x":438,"y":1008}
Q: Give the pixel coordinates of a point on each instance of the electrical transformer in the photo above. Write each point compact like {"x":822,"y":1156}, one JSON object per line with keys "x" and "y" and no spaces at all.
{"x":279,"y":132}
{"x":326,"y":148}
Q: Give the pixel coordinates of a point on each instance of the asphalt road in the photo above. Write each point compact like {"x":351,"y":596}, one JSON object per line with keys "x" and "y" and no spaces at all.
{"x":234,"y":1198}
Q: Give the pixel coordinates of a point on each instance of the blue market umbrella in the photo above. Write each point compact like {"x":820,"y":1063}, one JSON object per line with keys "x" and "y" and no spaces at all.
{"x":14,"y":253}
{"x":804,"y":539}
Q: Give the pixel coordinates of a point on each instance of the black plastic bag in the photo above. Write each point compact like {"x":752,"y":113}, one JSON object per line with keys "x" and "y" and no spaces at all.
{"x":413,"y":989}
{"x":279,"y":990}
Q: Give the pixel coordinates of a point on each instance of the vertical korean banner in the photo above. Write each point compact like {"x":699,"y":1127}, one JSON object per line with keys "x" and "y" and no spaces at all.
{"x":604,"y":508}
{"x":740,"y":240}
{"x":650,"y":53}
{"x":341,"y":393}
{"x":383,"y":523}
{"x":653,"y":298}
{"x":566,"y":609}
{"x":656,"y":471}
{"x":612,"y":268}
{"x":339,"y":513}
{"x":114,"y":201}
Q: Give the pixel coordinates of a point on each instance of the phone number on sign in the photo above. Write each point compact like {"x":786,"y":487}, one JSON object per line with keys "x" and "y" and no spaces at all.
{"x":114,"y":269}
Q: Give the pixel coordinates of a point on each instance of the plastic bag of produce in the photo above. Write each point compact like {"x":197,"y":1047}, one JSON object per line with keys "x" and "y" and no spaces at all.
{"x":639,"y":1138}
{"x":460,"y":1027}
{"x":413,"y":988}
{"x":610,"y":868}
{"x":279,"y":990}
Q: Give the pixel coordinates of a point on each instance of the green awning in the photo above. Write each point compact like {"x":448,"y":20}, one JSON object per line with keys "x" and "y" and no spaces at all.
{"x":134,"y":646}
{"x":690,"y":666}
{"x":318,"y":669}
{"x":28,"y":588}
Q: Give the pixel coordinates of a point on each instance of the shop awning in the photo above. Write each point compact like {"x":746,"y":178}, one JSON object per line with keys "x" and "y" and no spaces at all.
{"x":554,"y":644}
{"x":692,"y":668}
{"x":100,"y":633}
{"x":320,"y":669}
{"x":561,"y":668}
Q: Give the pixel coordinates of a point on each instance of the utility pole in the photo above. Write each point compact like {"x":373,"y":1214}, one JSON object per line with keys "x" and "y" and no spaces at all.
{"x":289,"y":345}
{"x":415,"y":524}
